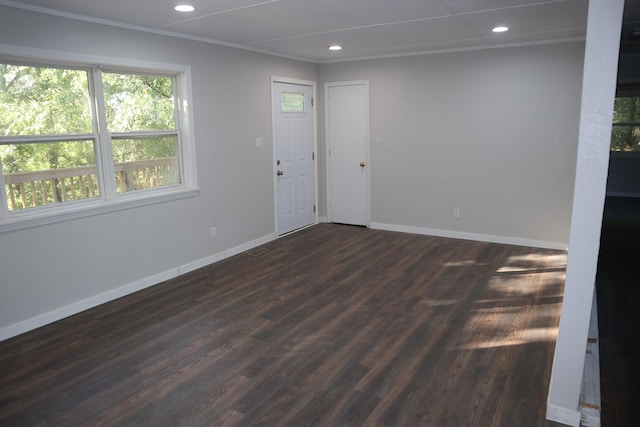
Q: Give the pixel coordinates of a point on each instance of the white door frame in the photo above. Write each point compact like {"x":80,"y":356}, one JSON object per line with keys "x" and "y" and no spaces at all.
{"x":276,"y":79}
{"x":328,"y":147}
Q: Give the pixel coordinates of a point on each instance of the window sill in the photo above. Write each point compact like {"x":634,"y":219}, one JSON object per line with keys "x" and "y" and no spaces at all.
{"x":624,"y":154}
{"x":99,"y":207}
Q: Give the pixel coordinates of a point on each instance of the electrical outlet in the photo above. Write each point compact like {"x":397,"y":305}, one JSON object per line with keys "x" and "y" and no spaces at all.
{"x":213,"y":232}
{"x":456,"y":212}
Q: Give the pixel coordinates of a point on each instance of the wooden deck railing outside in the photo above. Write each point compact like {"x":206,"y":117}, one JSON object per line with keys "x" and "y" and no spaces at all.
{"x":31,"y":189}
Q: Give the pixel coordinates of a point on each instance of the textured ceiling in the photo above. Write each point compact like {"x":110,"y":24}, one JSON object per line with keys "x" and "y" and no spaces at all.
{"x":303,"y":29}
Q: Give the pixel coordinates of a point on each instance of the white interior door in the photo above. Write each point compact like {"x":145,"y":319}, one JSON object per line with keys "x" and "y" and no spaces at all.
{"x":293,"y":147}
{"x":347,"y":114}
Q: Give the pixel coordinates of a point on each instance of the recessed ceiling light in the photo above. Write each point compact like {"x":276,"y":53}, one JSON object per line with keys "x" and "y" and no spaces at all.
{"x":184,"y":8}
{"x":335,"y":47}
{"x":500,"y":29}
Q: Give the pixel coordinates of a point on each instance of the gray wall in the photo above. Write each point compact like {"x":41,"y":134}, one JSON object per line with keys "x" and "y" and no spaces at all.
{"x":49,"y":267}
{"x":492,"y":132}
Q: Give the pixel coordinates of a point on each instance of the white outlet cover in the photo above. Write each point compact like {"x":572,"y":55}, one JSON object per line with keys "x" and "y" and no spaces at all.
{"x":259,"y":142}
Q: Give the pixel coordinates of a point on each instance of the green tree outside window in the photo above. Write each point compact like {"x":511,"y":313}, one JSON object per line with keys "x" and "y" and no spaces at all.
{"x":626,"y":124}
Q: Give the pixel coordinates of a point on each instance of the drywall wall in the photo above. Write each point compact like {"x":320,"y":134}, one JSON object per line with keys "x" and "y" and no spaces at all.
{"x":491,"y":132}
{"x":598,"y":93}
{"x":48,"y":268}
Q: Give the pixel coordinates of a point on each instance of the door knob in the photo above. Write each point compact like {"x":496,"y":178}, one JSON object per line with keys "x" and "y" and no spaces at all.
{"x":362,"y":164}
{"x":279,"y":173}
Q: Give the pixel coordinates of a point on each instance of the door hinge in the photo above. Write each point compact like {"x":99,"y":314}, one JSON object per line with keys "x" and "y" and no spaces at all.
{"x":313,"y":156}
{"x":312,"y":101}
{"x":314,"y":208}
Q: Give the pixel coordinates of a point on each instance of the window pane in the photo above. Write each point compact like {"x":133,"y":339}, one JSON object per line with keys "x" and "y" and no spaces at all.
{"x":43,"y":101}
{"x":626,"y":110}
{"x":146,"y":162}
{"x":46,"y":173}
{"x":625,"y":138}
{"x":138,"y":102}
{"x":292,"y":102}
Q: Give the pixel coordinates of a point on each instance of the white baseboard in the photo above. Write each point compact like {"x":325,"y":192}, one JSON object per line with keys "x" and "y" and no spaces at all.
{"x":589,"y":417}
{"x":470,"y":236}
{"x":79,"y":306}
{"x":323,"y":219}
{"x":94,"y":301}
{"x":590,"y":402}
{"x":225,"y":254}
{"x":563,"y":415}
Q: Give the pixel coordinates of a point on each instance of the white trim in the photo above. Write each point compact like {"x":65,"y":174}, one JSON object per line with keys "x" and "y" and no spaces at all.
{"x":82,"y":209}
{"x":592,"y":161}
{"x":563,"y":415}
{"x":506,"y":240}
{"x":187,"y":127}
{"x":367,"y":148}
{"x":589,"y":417}
{"x":292,"y":81}
{"x":590,"y":402}
{"x":454,"y":50}
{"x":633,"y":195}
{"x":312,"y":84}
{"x":32,"y":54}
{"x":79,"y":306}
{"x":94,"y":301}
{"x":186,"y":268}
{"x":110,"y":23}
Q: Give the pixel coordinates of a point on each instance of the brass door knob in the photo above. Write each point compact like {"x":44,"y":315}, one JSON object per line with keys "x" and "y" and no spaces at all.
{"x":362,"y":164}
{"x":279,"y":173}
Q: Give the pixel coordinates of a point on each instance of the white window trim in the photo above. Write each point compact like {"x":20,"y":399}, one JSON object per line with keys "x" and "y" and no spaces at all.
{"x":77,"y":209}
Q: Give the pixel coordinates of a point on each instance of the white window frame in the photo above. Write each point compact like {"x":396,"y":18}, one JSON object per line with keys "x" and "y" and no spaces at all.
{"x":110,"y":200}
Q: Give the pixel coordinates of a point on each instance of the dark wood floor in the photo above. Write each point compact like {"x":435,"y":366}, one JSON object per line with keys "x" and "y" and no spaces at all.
{"x":618,"y":289}
{"x":333,"y":325}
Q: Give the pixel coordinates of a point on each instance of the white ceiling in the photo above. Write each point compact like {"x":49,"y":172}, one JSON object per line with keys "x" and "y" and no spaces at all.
{"x":303,"y":29}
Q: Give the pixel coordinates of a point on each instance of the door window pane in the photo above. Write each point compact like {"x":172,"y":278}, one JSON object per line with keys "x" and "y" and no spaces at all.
{"x":45,"y":173}
{"x":292,"y":102}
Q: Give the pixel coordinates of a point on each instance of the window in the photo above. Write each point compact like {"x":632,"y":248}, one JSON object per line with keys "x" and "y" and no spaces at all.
{"x":626,"y":124}
{"x":47,"y":153}
{"x":140,"y":113}
{"x":76,"y":135}
{"x":291,"y":102}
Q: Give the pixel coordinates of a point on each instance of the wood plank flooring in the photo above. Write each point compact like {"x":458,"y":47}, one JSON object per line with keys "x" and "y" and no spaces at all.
{"x":330,"y":326}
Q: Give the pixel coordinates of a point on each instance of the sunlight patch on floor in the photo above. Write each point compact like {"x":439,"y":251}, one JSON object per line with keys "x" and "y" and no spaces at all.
{"x":465,"y":263}
{"x":523,"y":336}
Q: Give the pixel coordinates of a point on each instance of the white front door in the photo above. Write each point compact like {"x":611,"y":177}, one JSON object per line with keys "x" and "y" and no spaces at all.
{"x":347,"y":115}
{"x":294,"y":170}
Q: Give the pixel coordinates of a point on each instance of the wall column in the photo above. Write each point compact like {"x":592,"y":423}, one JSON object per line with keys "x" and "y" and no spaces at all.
{"x":598,"y":92}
